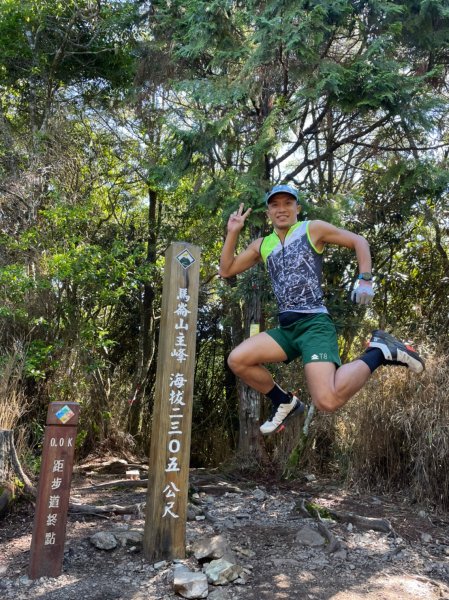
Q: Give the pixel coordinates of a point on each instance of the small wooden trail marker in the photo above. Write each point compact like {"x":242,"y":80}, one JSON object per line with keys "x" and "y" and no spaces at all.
{"x":47,"y":544}
{"x":168,"y":479}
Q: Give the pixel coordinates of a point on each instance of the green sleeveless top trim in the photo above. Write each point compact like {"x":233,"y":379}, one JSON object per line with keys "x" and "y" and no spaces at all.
{"x":295,"y":268}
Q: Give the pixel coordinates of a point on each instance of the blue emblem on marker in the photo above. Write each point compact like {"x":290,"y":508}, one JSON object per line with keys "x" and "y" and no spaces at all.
{"x":64,"y":414}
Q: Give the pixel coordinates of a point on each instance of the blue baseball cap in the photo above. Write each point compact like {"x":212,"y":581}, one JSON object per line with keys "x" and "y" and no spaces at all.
{"x":278,"y":189}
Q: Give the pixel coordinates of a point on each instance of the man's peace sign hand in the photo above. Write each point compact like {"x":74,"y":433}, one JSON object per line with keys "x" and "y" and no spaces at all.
{"x":237,"y":219}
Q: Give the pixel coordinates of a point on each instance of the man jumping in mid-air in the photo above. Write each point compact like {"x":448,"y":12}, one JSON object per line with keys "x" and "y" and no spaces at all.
{"x":293,"y":255}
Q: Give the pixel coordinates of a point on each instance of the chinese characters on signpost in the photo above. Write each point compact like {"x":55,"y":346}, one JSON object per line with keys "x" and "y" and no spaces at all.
{"x":47,"y":545}
{"x":176,"y":400}
{"x":172,"y":414}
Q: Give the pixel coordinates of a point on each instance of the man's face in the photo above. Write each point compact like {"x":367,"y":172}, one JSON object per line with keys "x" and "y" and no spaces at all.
{"x":283,"y":210}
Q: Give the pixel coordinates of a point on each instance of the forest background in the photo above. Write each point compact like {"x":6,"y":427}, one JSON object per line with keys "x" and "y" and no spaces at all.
{"x":126,"y":125}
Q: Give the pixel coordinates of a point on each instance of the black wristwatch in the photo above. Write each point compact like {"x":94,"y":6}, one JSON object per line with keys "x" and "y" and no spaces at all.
{"x":366,"y":276}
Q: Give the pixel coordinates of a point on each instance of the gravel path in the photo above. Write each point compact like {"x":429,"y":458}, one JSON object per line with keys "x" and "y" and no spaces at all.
{"x":264,"y":529}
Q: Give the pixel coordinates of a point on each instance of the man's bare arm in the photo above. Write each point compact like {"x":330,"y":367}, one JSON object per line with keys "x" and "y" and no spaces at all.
{"x":230,"y":264}
{"x":324,"y":233}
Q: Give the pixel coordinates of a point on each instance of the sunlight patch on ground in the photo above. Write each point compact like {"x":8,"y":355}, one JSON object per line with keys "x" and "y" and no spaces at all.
{"x":306,"y":577}
{"x":21,"y":544}
{"x":392,"y":588}
{"x":282,"y":581}
{"x":265,"y":590}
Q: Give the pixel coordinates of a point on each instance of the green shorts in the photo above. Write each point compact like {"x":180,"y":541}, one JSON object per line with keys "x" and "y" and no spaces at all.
{"x":312,"y":338}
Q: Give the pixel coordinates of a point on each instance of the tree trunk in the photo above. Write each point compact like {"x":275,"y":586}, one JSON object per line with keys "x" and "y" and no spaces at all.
{"x":233,"y":335}
{"x":147,"y":334}
{"x":6,"y":442}
{"x":297,"y":452}
{"x":6,"y":486}
{"x":9,"y":467}
{"x":250,"y":448}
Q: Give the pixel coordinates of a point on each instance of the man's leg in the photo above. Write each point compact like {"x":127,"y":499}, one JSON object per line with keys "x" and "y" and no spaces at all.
{"x":246,"y":362}
{"x":330,"y":388}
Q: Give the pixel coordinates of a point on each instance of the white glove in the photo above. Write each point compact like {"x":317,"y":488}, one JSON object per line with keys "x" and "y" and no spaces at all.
{"x":363,"y":292}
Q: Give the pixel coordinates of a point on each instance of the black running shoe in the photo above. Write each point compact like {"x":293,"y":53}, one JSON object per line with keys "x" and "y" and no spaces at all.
{"x":280,"y":414}
{"x":396,"y":352}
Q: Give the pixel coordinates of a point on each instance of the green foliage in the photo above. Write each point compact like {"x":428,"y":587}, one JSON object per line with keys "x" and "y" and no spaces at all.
{"x":15,"y":284}
{"x":314,"y":509}
{"x":42,"y":38}
{"x":80,"y":438}
{"x":31,"y":462}
{"x":18,"y":484}
{"x":36,"y":359}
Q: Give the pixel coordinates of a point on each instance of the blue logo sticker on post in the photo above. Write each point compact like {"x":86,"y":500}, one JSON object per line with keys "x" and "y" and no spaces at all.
{"x":64,"y":414}
{"x":185,"y":259}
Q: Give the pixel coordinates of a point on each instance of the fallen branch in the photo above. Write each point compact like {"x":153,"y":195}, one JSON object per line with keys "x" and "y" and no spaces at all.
{"x":312,"y":510}
{"x":114,"y":465}
{"x":129,"y":483}
{"x":375,"y":524}
{"x":90,"y":509}
{"x":132,"y":483}
{"x":302,"y":509}
{"x":333,"y":544}
{"x":220,"y":488}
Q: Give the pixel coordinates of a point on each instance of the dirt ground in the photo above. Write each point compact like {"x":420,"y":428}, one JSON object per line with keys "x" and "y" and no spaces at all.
{"x":261,"y":523}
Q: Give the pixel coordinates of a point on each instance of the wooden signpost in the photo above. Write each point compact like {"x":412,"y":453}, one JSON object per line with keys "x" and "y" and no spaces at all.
{"x":47,"y":544}
{"x":166,"y":512}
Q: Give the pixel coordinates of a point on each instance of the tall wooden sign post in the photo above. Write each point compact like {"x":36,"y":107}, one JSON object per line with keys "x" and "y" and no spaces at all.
{"x":166,"y":512}
{"x":47,"y":543}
